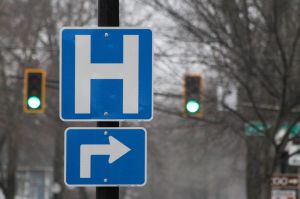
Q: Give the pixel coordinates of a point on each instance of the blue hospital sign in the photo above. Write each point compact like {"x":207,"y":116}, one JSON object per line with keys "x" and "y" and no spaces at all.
{"x":105,"y":156}
{"x":106,"y":74}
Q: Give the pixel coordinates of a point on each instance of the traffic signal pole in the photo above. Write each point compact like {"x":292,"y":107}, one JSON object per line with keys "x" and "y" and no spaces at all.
{"x":108,"y":15}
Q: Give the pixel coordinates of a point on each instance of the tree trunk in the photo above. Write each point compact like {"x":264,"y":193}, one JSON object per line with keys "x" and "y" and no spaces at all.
{"x":11,"y":166}
{"x":58,"y":163}
{"x":259,"y":168}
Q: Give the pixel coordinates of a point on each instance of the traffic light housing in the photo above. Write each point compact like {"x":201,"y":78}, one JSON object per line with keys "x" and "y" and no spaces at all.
{"x":34,"y":90}
{"x":193,"y":93}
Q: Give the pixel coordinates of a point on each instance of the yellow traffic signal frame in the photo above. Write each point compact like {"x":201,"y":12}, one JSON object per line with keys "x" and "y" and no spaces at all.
{"x":27,"y":71}
{"x":200,"y":114}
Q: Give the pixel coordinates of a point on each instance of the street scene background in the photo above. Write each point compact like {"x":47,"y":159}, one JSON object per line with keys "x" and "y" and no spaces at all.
{"x":246,"y":140}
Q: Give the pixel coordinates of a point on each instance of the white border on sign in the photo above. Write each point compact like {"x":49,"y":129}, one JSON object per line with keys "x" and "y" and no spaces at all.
{"x":105,"y":185}
{"x":60,"y":76}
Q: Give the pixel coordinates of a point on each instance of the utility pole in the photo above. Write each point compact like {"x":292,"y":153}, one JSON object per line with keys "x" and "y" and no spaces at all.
{"x":108,"y":15}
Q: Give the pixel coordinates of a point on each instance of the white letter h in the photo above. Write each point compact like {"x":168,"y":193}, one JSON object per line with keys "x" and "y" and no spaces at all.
{"x":85,"y":71}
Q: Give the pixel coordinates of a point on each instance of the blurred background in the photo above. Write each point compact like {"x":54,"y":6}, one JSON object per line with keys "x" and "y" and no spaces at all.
{"x":239,"y":60}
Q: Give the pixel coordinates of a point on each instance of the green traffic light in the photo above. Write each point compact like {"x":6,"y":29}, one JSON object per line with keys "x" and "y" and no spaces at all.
{"x":192,"y":106}
{"x":34,"y":102}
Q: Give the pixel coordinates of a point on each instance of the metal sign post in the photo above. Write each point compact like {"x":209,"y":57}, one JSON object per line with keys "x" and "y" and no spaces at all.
{"x":107,"y":192}
{"x":108,"y":15}
{"x":106,"y":77}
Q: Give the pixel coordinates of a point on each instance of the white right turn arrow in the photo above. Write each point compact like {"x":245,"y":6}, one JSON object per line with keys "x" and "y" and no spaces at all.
{"x":115,"y":149}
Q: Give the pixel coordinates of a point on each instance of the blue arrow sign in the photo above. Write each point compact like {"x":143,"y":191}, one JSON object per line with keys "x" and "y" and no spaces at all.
{"x":105,"y":156}
{"x":106,"y":74}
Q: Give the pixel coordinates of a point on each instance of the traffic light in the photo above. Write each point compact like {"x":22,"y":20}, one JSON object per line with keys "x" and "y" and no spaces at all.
{"x":193,"y":96}
{"x":34,"y":90}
